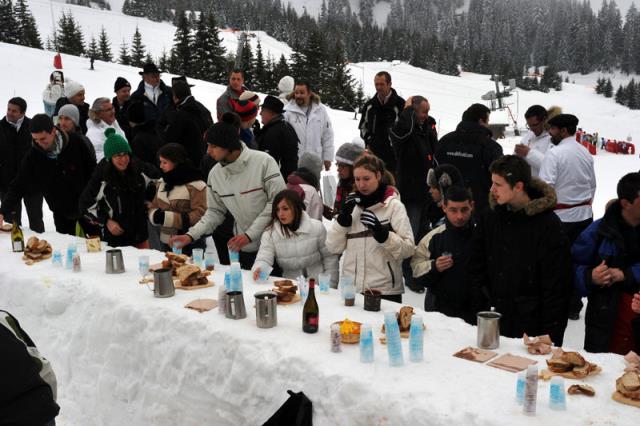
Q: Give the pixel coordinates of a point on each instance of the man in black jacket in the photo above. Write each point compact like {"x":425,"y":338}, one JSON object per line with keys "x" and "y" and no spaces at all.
{"x":121,"y":102}
{"x":520,"y":254}
{"x":154,"y":94}
{"x":188,"y":123}
{"x":414,"y":140}
{"x":15,"y":141}
{"x":277,"y":138}
{"x":440,"y":261}
{"x":472,"y":150}
{"x":58,"y":165}
{"x":74,"y":94}
{"x":378,"y":116}
{"x":607,"y":260}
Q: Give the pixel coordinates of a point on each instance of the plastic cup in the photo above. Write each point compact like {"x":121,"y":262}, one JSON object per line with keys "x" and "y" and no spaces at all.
{"x":143,"y":265}
{"x":209,"y":260}
{"x":263,"y":276}
{"x":348,"y":290}
{"x":324,"y":281}
{"x":197,"y":255}
{"x":177,"y":248}
{"x":234,"y":256}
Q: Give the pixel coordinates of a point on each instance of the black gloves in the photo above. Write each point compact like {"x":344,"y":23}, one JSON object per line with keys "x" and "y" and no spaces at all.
{"x":158,"y":217}
{"x":344,"y":218}
{"x":370,"y":221}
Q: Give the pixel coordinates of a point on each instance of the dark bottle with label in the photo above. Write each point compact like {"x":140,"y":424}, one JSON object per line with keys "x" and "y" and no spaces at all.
{"x":17,"y":237}
{"x":310,"y":312}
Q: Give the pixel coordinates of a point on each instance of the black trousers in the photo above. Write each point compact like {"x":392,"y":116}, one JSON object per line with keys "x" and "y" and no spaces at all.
{"x":392,"y":297}
{"x":33,"y":203}
{"x":573,"y":231}
{"x":64,"y":225}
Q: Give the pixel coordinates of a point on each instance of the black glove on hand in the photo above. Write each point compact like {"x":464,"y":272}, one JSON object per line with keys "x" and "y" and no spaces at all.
{"x":158,"y":217}
{"x":344,"y":218}
{"x":369,"y":220}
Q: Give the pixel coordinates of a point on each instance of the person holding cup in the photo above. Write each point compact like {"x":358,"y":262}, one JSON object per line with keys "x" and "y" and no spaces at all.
{"x":180,"y":200}
{"x":295,"y":241}
{"x":373,"y":232}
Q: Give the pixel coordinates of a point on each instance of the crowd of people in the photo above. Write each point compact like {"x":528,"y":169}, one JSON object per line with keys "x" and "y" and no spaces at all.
{"x":453,"y":215}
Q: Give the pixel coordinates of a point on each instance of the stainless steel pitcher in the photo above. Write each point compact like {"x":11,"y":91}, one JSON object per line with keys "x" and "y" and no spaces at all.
{"x":163,"y":283}
{"x":115,"y":263}
{"x":235,"y":305}
{"x":266,"y":309}
{"x":488,"y":330}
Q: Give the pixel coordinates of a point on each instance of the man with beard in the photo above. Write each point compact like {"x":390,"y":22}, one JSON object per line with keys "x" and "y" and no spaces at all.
{"x":310,"y":120}
{"x":379,"y":114}
{"x":568,"y":168}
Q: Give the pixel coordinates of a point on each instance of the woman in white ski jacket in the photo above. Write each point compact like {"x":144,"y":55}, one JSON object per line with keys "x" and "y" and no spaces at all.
{"x":295,"y":241}
{"x":373,"y":232}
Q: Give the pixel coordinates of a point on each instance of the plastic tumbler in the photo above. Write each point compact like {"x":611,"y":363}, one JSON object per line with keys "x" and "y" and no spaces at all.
{"x":209,"y":260}
{"x":324,"y":281}
{"x":143,"y":265}
{"x":234,"y":256}
{"x":263,"y":276}
{"x":197,"y":255}
{"x":348,"y":290}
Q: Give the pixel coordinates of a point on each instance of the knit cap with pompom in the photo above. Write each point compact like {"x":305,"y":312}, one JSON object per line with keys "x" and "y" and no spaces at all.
{"x":114,"y":144}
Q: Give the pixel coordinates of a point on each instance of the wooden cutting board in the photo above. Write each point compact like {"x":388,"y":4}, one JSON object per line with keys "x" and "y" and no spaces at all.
{"x":618,"y":397}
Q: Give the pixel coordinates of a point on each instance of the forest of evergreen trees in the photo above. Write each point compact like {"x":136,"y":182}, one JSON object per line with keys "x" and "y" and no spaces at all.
{"x":504,"y":37}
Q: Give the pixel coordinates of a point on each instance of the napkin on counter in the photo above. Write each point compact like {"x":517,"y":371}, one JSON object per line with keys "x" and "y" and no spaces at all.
{"x":475,"y":354}
{"x":202,"y":305}
{"x":512,"y":363}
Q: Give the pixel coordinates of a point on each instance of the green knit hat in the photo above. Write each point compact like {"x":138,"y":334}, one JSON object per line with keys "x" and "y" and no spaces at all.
{"x":114,"y":144}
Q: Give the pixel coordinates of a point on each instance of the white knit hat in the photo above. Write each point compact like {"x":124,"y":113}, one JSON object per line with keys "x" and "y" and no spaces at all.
{"x":71,"y":88}
{"x":286,"y":84}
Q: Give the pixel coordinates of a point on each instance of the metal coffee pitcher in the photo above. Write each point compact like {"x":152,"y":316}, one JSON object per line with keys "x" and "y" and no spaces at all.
{"x":266,"y":309}
{"x":163,"y":283}
{"x":488,"y":330}
{"x":115,"y":263}
{"x":235,"y":305}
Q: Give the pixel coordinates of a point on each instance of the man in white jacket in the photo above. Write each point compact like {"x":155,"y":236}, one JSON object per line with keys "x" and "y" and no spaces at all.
{"x":244,"y":183}
{"x":568,"y":168}
{"x":311,"y":122}
{"x":102,"y":115}
{"x":536,"y":141}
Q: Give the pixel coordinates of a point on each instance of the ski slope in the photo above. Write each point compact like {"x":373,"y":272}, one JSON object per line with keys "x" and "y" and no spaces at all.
{"x":156,"y":36}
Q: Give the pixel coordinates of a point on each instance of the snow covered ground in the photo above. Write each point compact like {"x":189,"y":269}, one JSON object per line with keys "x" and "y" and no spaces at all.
{"x":156,"y":36}
{"x":80,"y":354}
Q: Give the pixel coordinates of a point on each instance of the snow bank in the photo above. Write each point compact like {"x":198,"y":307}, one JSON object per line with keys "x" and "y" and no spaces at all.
{"x":125,"y":357}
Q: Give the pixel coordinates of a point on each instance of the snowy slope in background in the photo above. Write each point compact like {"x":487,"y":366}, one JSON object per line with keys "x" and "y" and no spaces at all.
{"x":380,"y":10}
{"x":156,"y":36}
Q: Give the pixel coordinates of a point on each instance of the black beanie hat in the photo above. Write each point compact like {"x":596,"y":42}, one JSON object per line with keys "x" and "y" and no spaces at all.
{"x":135,"y":113}
{"x":223,"y":135}
{"x":120,"y":83}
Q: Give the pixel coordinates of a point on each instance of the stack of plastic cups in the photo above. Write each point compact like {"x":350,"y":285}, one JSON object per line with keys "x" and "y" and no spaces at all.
{"x":394,"y":345}
{"x":324,"y":282}
{"x":234,"y":256}
{"x":416,"y":339}
{"x":236,"y":277}
{"x":198,"y":256}
{"x":71,"y":250}
{"x":557,"y":397}
{"x":366,"y":344}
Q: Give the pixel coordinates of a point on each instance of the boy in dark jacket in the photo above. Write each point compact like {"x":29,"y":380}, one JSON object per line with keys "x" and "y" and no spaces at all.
{"x":441,"y":258}
{"x":607,"y":260}
{"x":59,"y":165}
{"x":520,"y":254}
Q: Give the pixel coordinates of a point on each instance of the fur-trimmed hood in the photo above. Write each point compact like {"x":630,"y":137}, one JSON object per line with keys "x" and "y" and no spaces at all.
{"x":543,"y":198}
{"x":314,"y":97}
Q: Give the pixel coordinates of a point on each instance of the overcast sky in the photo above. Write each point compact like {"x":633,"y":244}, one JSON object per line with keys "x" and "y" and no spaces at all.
{"x":623,"y":5}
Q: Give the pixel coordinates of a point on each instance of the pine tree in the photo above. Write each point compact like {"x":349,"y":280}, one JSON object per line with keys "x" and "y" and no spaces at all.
{"x":599,"y":85}
{"x":93,"y":50}
{"x":123,"y":55}
{"x":29,"y":35}
{"x":281,"y":68}
{"x":337,"y":83}
{"x":9,"y":29}
{"x":607,"y":90}
{"x":181,"y":60}
{"x":259,"y":71}
{"x":104,"y":47}
{"x":246,"y":62}
{"x":163,"y":61}
{"x":208,"y":53}
{"x":70,"y":39}
{"x":621,"y":96}
{"x":138,"y":49}
{"x":630,"y":94}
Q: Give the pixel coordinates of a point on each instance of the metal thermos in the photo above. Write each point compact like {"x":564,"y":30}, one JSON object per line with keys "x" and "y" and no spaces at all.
{"x":235,"y":305}
{"x":115,"y":263}
{"x":488,"y":330}
{"x":163,"y":283}
{"x":266,"y":309}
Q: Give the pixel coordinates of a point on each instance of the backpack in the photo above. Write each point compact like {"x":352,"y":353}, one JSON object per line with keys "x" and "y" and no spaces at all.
{"x":44,"y":366}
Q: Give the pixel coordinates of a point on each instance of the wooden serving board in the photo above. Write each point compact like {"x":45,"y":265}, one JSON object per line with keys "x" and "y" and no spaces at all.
{"x":176,"y":284}
{"x":403,"y":334}
{"x":618,"y":397}
{"x":295,"y":299}
{"x":547,"y":374}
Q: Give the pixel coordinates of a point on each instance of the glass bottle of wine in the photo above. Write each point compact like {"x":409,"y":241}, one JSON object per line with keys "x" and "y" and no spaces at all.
{"x":17,"y":237}
{"x":310,"y":312}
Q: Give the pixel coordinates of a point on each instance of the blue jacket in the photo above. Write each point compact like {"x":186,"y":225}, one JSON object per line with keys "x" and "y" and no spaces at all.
{"x":610,"y":239}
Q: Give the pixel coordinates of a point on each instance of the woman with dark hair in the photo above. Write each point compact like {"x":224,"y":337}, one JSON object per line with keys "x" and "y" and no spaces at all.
{"x":373,"y":232}
{"x":295,"y":241}
{"x":181,"y":199}
{"x":115,"y":197}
